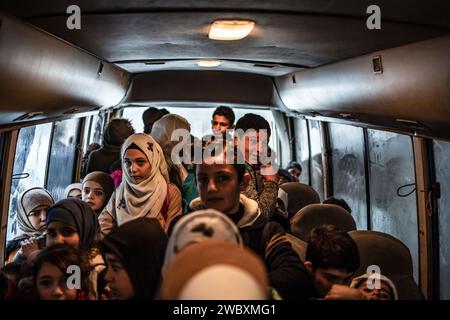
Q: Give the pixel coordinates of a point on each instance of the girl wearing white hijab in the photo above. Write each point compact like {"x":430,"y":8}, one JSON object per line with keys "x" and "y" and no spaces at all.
{"x":31,"y":214}
{"x":73,"y":190}
{"x":145,"y":190}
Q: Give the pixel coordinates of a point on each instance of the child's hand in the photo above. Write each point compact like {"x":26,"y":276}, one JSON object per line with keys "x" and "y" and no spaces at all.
{"x":341,"y":292}
{"x":29,"y":246}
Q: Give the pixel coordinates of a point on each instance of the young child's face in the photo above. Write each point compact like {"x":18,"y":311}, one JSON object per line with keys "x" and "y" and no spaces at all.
{"x":58,"y":232}
{"x":218,"y":187}
{"x":93,"y":194}
{"x":383,"y":293}
{"x":137,"y":165}
{"x":295,"y":173}
{"x":51,"y":284}
{"x":118,"y":280}
{"x":74,"y":193}
{"x":37,"y":217}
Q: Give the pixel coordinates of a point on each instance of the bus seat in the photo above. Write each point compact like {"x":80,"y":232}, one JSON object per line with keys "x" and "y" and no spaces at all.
{"x":298,"y":245}
{"x":316,"y":215}
{"x":299,"y":195}
{"x":393,"y":258}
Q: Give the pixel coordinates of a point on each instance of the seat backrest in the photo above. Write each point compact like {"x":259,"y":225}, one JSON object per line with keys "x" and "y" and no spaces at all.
{"x":299,"y":195}
{"x":392,"y":257}
{"x":316,"y":215}
{"x":298,"y":245}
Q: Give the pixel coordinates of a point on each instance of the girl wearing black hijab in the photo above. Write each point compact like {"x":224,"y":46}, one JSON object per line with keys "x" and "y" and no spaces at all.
{"x":74,"y":223}
{"x":71,"y":221}
{"x":134,"y":253}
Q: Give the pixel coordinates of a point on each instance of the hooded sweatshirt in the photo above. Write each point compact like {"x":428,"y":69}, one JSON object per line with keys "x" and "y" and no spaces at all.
{"x":287,"y":273}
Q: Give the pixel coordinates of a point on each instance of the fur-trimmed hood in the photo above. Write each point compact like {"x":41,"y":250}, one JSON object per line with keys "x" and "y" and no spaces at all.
{"x":252,"y":213}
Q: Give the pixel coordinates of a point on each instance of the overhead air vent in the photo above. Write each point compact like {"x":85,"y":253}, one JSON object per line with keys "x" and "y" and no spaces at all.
{"x":100,"y":68}
{"x":28,"y":116}
{"x":263,"y":65}
{"x":348,"y":116}
{"x":377,"y":65}
{"x":149,"y":63}
{"x":412,"y":124}
{"x":315,"y":114}
{"x":72,"y":111}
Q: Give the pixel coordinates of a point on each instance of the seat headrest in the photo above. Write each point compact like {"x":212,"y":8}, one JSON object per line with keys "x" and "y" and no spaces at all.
{"x":391,"y":256}
{"x":299,"y":195}
{"x":298,"y":245}
{"x":316,"y":215}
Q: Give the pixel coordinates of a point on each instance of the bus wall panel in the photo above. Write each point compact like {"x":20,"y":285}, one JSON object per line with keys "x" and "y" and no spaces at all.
{"x":41,"y":73}
{"x":414,"y":86}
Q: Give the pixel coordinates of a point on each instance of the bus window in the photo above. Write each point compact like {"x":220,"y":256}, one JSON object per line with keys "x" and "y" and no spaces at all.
{"x":200,"y":119}
{"x":93,"y":130}
{"x":29,"y":166}
{"x":63,"y":157}
{"x":302,"y":147}
{"x":349,"y":181}
{"x":442,"y":165}
{"x":3,"y":155}
{"x":393,"y":203}
{"x":316,"y":156}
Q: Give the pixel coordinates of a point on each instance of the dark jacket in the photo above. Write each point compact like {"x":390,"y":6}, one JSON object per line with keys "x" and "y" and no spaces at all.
{"x":115,"y":134}
{"x":287,"y":274}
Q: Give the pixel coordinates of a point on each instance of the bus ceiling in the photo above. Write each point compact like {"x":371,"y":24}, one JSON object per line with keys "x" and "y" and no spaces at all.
{"x":129,"y":52}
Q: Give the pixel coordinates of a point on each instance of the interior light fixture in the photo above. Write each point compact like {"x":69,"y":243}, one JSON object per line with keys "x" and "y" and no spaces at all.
{"x":230,"y":29}
{"x":208,"y":63}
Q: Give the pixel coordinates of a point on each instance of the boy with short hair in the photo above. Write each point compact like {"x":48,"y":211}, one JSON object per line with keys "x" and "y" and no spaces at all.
{"x":222,"y":120}
{"x":295,"y":169}
{"x":263,"y":188}
{"x":220,"y":184}
{"x":332,"y":257}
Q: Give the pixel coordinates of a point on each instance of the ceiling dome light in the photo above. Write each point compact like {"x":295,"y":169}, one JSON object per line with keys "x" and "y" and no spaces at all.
{"x":208,"y":63}
{"x":230,"y":29}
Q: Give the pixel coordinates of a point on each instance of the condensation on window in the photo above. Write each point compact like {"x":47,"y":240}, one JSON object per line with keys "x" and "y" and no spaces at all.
{"x":349,"y":181}
{"x":316,"y":158}
{"x":302,"y":148}
{"x":393,"y":203}
{"x":63,"y":158}
{"x":442,"y":167}
{"x":30,"y":164}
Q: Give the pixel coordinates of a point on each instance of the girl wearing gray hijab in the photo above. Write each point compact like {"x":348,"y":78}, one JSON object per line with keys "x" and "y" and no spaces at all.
{"x":31,"y":215}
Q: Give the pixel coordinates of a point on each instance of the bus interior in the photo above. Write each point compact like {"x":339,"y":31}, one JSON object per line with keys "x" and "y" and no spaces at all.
{"x":364,"y":109}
